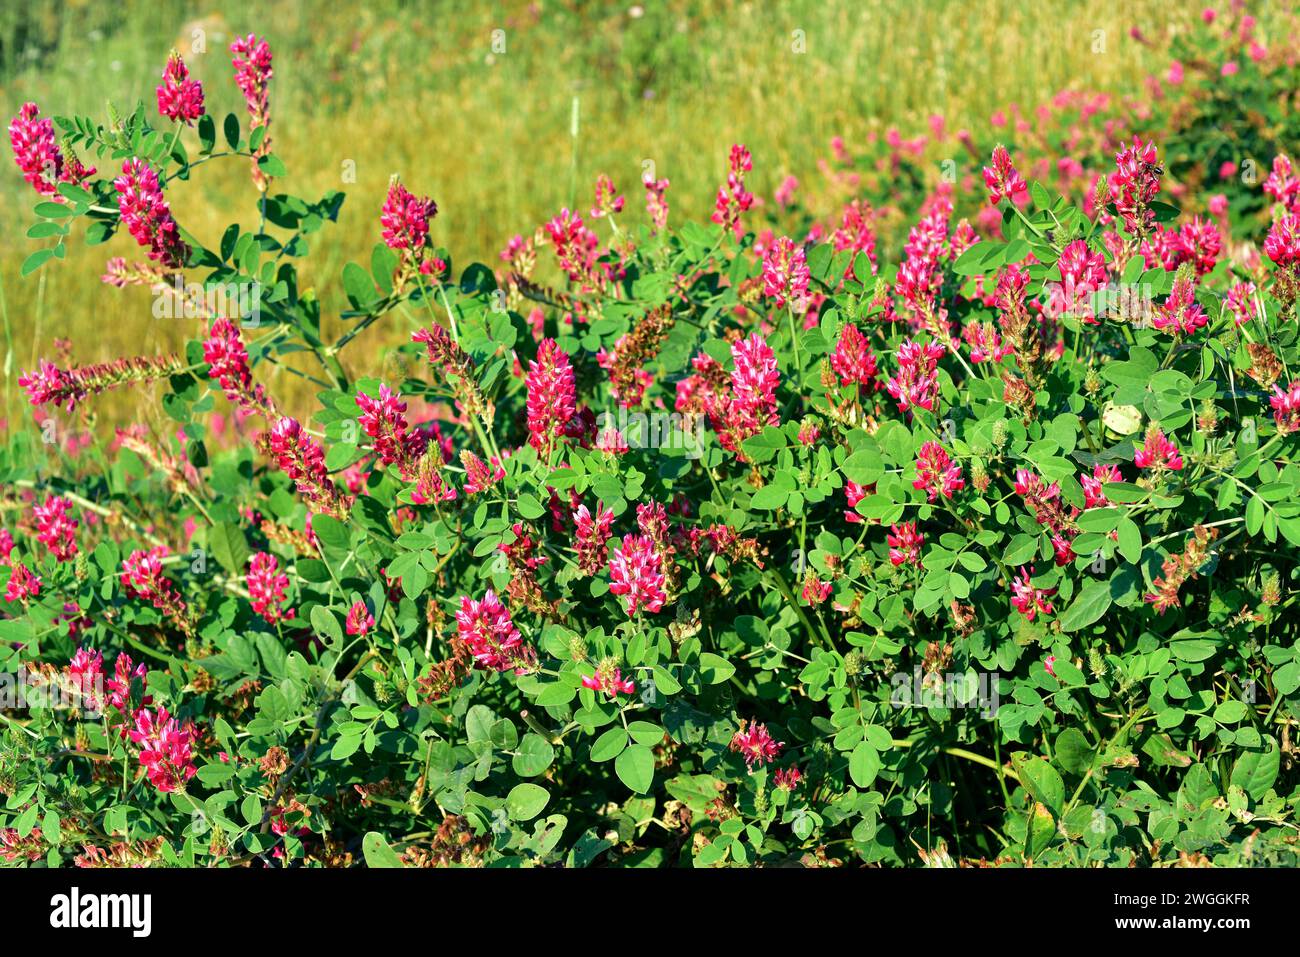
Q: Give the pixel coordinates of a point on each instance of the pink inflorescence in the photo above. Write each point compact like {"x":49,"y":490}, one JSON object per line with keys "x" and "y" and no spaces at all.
{"x":552,"y":400}
{"x":785,"y":274}
{"x":1002,"y":179}
{"x":755,"y":744}
{"x":360,"y":621}
{"x":266,"y":588}
{"x":56,"y":528}
{"x":936,"y":473}
{"x":166,"y":749}
{"x":733,"y":199}
{"x":179,"y":97}
{"x":636,"y":573}
{"x":853,"y":361}
{"x":405,"y":218}
{"x":916,"y":384}
{"x":1028,"y":599}
{"x":491,"y":636}
{"x":590,"y":536}
{"x":1157,"y":452}
{"x":146,"y":215}
{"x":38,"y":155}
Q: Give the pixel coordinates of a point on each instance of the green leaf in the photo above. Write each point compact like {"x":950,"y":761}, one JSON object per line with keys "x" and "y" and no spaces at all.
{"x":229,"y":547}
{"x":378,"y":853}
{"x":715,"y":669}
{"x":1041,"y":780}
{"x":526,"y":801}
{"x":635,"y":767}
{"x":609,"y":745}
{"x":231,"y":128}
{"x":1088,"y":606}
{"x":1255,"y":771}
{"x":534,"y":756}
{"x":864,"y":765}
{"x":272,"y":166}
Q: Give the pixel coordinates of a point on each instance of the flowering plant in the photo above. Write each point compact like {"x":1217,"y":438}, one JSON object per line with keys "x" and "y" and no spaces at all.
{"x":719,"y":547}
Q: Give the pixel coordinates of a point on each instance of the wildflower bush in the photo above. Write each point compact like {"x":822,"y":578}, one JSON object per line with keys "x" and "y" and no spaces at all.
{"x":669,"y":542}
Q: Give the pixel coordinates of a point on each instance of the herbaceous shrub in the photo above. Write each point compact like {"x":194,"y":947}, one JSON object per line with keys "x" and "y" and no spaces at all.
{"x":666,"y":542}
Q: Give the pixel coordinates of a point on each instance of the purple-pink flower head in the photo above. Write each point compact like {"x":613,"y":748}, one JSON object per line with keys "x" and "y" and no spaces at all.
{"x":179,"y":97}
{"x":636,"y":574}
{"x":405,"y":218}
{"x":552,"y":395}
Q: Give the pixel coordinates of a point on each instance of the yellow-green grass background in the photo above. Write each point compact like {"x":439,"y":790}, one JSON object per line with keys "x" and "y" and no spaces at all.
{"x":416,"y":89}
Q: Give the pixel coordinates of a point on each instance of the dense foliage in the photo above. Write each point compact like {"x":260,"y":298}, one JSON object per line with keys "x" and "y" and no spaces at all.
{"x":696,"y":544}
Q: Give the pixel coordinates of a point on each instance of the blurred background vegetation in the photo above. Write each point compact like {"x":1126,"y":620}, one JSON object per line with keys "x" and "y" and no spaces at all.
{"x":417,"y":88}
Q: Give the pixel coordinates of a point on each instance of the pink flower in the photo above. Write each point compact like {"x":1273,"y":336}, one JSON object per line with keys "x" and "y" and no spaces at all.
{"x":578,"y":250}
{"x":785,"y":274}
{"x":266,"y":587}
{"x":916,"y":383}
{"x":227,"y":358}
{"x":179,"y":97}
{"x":1002,"y":179}
{"x":809,"y":432}
{"x":252,"y":63}
{"x":85,"y":674}
{"x":165,"y":749}
{"x":853,"y":361}
{"x":1135,"y":183}
{"x":1240,"y":302}
{"x":119,"y":686}
{"x":360,"y":621}
{"x":656,"y":205}
{"x":23,"y":584}
{"x":753,"y":384}
{"x":1083,"y":272}
{"x":636,"y":573}
{"x":1049,"y":662}
{"x":384,"y":420}
{"x":1028,"y":599}
{"x":787,"y":779}
{"x":146,"y":215}
{"x":1218,"y":205}
{"x":985,"y":342}
{"x":405,"y":218}
{"x":1181,"y":315}
{"x":1158,"y":452}
{"x":142,"y":577}
{"x":1286,"y":407}
{"x":37,"y":154}
{"x":755,"y":744}
{"x":609,"y":679}
{"x":815,"y":591}
{"x":904,"y":543}
{"x":784,"y":194}
{"x":491,"y":636}
{"x":608,"y":201}
{"x":6,"y":546}
{"x":1282,"y":183}
{"x":591,"y":535}
{"x":56,"y":528}
{"x":552,"y":399}
{"x":302,"y":459}
{"x":733,"y":199}
{"x":1199,"y":243}
{"x":1282,"y":244}
{"x":936,"y":473}
{"x":1229,"y":69}
{"x":478,"y":475}
{"x":1094,"y":494}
